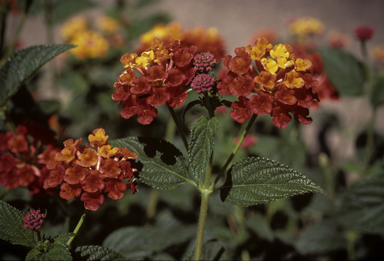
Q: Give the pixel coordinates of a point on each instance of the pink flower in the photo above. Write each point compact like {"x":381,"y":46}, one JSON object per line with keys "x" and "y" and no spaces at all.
{"x":364,"y":32}
{"x":33,"y":219}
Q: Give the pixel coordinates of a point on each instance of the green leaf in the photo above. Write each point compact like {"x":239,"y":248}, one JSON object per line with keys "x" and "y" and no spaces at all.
{"x":321,"y":238}
{"x":164,"y":166}
{"x":253,"y":181}
{"x":362,"y":205}
{"x":140,"y":242}
{"x":201,"y":145}
{"x":64,"y":9}
{"x":54,"y":251}
{"x":377,"y":94}
{"x":11,"y":226}
{"x":99,"y":253}
{"x":344,"y":71}
{"x":23,"y":64}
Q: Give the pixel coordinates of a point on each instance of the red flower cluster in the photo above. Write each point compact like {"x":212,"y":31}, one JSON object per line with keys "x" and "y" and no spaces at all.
{"x":164,"y":69}
{"x":80,"y":170}
{"x":364,"y":32}
{"x":324,"y":88}
{"x":280,"y":83}
{"x":33,"y":219}
{"x":24,"y":164}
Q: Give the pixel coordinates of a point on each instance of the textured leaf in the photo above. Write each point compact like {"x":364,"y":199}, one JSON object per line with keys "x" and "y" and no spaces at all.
{"x":362,"y":206}
{"x":23,"y":64}
{"x":140,"y":242}
{"x":320,"y":238}
{"x":254,"y":181}
{"x":201,"y":145}
{"x":11,"y":226}
{"x":56,"y":251}
{"x":99,"y":253}
{"x":377,"y":94}
{"x":64,"y":9}
{"x":344,"y":71}
{"x":164,"y":166}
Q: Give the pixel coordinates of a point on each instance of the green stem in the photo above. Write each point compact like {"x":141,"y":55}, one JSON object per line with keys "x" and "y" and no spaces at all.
{"x":174,"y":117}
{"x":16,"y":36}
{"x":370,"y":141}
{"x":151,"y":209}
{"x":205,"y":194}
{"x":77,"y":228}
{"x":208,"y":106}
{"x":245,"y":132}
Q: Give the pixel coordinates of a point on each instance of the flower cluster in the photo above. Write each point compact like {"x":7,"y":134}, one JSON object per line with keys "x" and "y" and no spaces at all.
{"x":91,"y":43}
{"x":364,"y":32}
{"x":205,"y":40}
{"x":280,"y":84}
{"x":164,"y":71}
{"x":306,"y":26}
{"x":204,"y":61}
{"x":338,"y":40}
{"x":203,"y":83}
{"x":22,"y":164}
{"x":33,"y":219}
{"x":378,"y":53}
{"x":85,"y":172}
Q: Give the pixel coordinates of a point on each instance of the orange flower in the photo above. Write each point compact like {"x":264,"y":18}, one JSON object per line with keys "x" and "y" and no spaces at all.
{"x":98,"y":138}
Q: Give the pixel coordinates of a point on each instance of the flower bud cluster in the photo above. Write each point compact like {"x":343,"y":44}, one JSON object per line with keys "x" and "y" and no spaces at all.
{"x":88,"y":173}
{"x":204,"y":61}
{"x":33,"y":219}
{"x":203,"y":83}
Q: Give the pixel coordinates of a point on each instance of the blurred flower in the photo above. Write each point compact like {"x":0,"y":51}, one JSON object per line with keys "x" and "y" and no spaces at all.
{"x":33,"y":219}
{"x":90,"y":44}
{"x":164,"y":69}
{"x":24,"y":164}
{"x":281,"y":84}
{"x":107,"y":25}
{"x":248,"y":141}
{"x":364,"y":32}
{"x":73,"y":27}
{"x":221,"y":110}
{"x":268,"y":33}
{"x":87,"y":173}
{"x":205,"y":39}
{"x":338,"y":40}
{"x":306,"y":26}
{"x":378,"y":53}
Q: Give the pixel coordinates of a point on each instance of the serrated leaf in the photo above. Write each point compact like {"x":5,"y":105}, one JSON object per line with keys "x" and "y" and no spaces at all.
{"x":344,"y":71}
{"x":164,"y":166}
{"x":64,"y":9}
{"x":201,"y":145}
{"x":253,"y":181}
{"x":140,"y":242}
{"x":320,"y":238}
{"x":377,"y":94}
{"x":362,"y":206}
{"x":23,"y":64}
{"x":11,"y":226}
{"x":99,"y":253}
{"x":56,"y":251}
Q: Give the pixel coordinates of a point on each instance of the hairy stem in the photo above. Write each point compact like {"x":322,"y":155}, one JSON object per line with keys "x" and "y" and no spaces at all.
{"x":174,"y":117}
{"x":77,"y":228}
{"x":202,"y":218}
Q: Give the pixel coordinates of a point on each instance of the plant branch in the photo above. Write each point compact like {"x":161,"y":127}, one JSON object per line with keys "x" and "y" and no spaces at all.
{"x":174,"y":117}
{"x":243,"y":135}
{"x":16,"y":36}
{"x":77,"y":228}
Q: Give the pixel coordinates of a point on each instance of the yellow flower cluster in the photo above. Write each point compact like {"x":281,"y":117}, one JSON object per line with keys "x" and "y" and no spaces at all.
{"x":160,"y":31}
{"x":91,"y":43}
{"x":378,"y":53}
{"x":306,"y":26}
